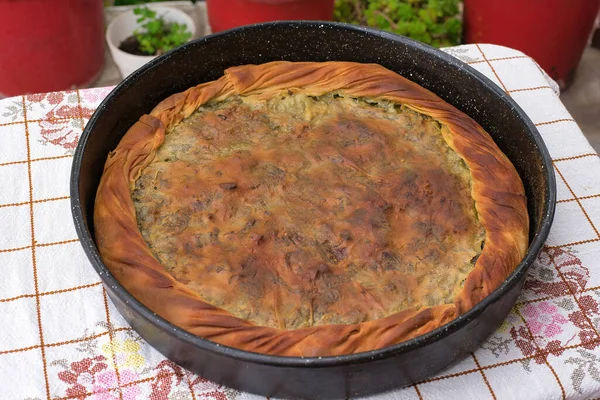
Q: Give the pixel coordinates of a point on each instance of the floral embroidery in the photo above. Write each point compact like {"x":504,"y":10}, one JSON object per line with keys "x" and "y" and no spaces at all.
{"x":82,"y":374}
{"x":543,"y":281}
{"x":96,"y":95}
{"x":107,"y":381}
{"x":15,"y":111}
{"x":171,"y":375}
{"x":63,"y":122}
{"x":52,"y":98}
{"x":544,"y":319}
{"x":557,"y":273}
{"x":123,"y":372}
{"x":501,"y":342}
{"x":60,"y":129}
{"x":168,"y":375}
{"x":587,"y":364}
{"x":126,"y":353}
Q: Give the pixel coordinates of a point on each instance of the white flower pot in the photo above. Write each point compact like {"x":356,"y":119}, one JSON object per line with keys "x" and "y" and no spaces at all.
{"x":123,"y":26}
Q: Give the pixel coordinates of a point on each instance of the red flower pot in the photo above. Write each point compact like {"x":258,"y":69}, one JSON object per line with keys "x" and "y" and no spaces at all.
{"x":229,"y":14}
{"x":49,"y":45}
{"x":553,"y":32}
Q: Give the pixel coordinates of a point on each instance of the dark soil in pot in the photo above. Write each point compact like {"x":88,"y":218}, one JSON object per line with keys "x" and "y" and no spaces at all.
{"x":132,"y":46}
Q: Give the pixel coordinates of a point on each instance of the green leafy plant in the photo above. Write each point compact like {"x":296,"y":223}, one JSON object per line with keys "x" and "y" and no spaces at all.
{"x":435,"y":22}
{"x":157,"y":36}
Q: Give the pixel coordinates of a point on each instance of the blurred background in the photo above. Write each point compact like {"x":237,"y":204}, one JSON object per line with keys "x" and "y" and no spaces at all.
{"x":63,"y":44}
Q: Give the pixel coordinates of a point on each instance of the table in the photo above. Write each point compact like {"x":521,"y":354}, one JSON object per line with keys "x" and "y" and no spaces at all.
{"x":61,"y":338}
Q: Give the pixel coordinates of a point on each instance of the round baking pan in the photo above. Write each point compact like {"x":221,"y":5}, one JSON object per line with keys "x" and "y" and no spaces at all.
{"x":323,"y":377}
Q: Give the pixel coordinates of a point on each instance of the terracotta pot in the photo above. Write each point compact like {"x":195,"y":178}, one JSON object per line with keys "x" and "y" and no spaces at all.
{"x":553,"y":32}
{"x":224,"y":15}
{"x":49,"y":45}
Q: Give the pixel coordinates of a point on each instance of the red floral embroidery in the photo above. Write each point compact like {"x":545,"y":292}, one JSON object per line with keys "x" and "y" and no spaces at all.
{"x":55,"y":98}
{"x":543,"y":319}
{"x":62,"y":125}
{"x":35,"y":98}
{"x":207,"y":389}
{"x":58,"y":126}
{"x":171,"y":375}
{"x":83,"y":371}
{"x":588,"y":304}
{"x":163,"y":382}
{"x":574,"y":273}
{"x":216,"y":395}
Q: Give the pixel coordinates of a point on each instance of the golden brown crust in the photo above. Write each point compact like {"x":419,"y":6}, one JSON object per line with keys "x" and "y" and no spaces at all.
{"x":497,"y":191}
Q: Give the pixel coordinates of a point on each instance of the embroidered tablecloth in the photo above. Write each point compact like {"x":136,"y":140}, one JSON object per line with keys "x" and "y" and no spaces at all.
{"x":61,"y":338}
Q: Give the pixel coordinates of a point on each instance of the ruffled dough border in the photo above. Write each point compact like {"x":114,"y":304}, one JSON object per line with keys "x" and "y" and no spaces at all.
{"x":497,"y":190}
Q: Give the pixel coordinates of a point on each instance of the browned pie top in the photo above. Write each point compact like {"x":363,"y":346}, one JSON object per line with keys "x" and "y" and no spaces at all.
{"x":300,"y":211}
{"x":309,"y":209}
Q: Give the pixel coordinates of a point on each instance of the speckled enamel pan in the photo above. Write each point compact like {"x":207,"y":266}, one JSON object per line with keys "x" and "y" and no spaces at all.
{"x":327,"y":377}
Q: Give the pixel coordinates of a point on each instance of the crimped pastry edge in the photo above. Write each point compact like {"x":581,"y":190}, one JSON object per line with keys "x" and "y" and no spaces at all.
{"x":497,"y":191}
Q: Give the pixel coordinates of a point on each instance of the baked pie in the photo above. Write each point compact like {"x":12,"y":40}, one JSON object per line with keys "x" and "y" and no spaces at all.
{"x":309,"y":209}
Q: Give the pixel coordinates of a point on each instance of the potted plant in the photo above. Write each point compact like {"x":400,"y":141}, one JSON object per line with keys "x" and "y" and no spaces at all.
{"x":553,"y":32}
{"x":244,"y":12}
{"x":436,"y":23}
{"x":139,"y":35}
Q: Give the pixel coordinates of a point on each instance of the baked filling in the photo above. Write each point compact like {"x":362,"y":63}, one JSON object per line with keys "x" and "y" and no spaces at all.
{"x":302,"y":211}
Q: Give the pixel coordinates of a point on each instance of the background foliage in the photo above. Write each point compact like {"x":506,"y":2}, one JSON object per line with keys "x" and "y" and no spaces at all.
{"x":435,"y":22}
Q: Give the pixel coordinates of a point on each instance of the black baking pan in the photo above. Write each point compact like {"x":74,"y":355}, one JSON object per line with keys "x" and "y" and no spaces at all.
{"x":323,"y":377}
